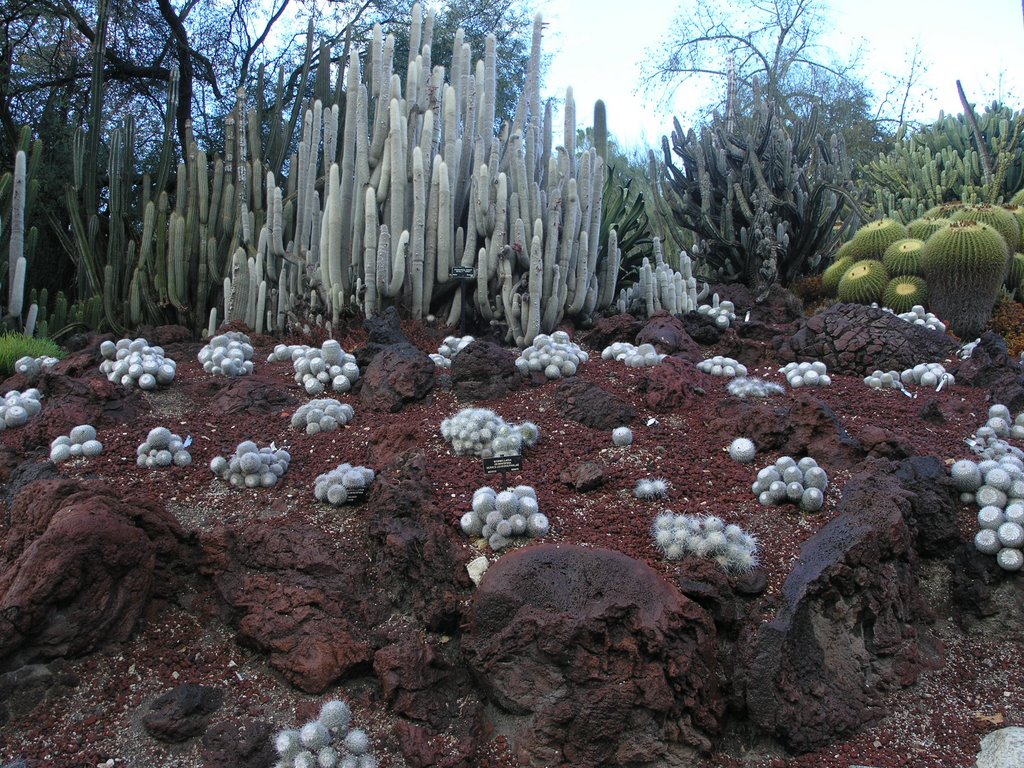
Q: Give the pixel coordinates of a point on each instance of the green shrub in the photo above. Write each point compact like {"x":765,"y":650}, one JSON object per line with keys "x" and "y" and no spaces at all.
{"x":14,"y":346}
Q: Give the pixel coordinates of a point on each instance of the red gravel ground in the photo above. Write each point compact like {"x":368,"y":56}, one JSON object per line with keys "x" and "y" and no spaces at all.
{"x":937,"y":723}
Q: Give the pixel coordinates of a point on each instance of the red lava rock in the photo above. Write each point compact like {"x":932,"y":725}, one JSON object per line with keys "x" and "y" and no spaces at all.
{"x":484,"y":371}
{"x":243,"y":744}
{"x":396,"y":376}
{"x":668,"y":335}
{"x":79,"y":565}
{"x":799,"y":426}
{"x":672,"y":383}
{"x":594,"y":658}
{"x":608,"y":330}
{"x":592,"y":406}
{"x":295,"y":599}
{"x":583,"y":477}
{"x":257,"y":394}
{"x":849,"y":627}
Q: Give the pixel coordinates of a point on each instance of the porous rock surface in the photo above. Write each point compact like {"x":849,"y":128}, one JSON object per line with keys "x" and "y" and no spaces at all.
{"x":672,"y":383}
{"x":856,"y":339}
{"x":397,"y":375}
{"x":597,"y":659}
{"x":668,"y":335}
{"x":592,"y":406}
{"x":484,"y":371}
{"x":78,"y":566}
{"x":801,"y":426}
{"x":991,"y":367}
{"x":182,"y":713}
{"x":849,"y":627}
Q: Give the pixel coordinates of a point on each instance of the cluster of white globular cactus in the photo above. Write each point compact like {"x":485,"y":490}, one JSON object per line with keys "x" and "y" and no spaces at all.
{"x":722,"y":312}
{"x":80,"y":442}
{"x":806,"y":374}
{"x":556,"y":355}
{"x":18,"y":407}
{"x":997,"y":487}
{"x":927,"y":375}
{"x":1002,"y":423}
{"x":32,"y":366}
{"x":918,"y":316}
{"x":788,"y":480}
{"x":650,"y":488}
{"x":643,"y":356}
{"x":330,"y":741}
{"x":228,"y":354}
{"x":251,"y":466}
{"x":451,"y":346}
{"x":343,"y":485}
{"x":743,"y":450}
{"x":328,"y":365}
{"x":879,"y":379}
{"x":722,"y":366}
{"x":162,"y":448}
{"x":481,"y":432}
{"x":502,"y":517}
{"x":324,"y":415}
{"x":133,"y":362}
{"x":750,"y":386}
{"x":705,"y":536}
{"x":622,"y":437}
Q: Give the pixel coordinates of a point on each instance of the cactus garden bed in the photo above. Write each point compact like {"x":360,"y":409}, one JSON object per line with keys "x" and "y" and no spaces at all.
{"x":89,"y":708}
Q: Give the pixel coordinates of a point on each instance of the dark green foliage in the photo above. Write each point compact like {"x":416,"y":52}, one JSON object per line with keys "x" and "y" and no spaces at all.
{"x":623,"y":209}
{"x":766,"y":200}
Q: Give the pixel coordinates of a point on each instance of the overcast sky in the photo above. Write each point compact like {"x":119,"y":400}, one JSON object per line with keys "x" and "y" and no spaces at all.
{"x":597,"y":47}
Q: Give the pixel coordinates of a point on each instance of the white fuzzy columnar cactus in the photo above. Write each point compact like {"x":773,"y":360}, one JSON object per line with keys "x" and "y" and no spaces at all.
{"x":749,"y":386}
{"x":252,"y":466}
{"x":662,"y":288}
{"x":788,"y":480}
{"x":133,"y":362}
{"x":705,"y":536}
{"x":330,"y":741}
{"x":502,"y":517}
{"x":555,"y":355}
{"x":481,"y":432}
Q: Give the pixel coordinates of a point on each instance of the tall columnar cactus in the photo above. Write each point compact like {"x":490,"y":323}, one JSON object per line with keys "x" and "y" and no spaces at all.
{"x":16,"y":263}
{"x":946,"y":161}
{"x":766,"y":200}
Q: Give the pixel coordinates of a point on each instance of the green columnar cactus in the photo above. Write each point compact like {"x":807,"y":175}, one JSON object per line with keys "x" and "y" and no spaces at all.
{"x":964,"y":264}
{"x":16,"y":263}
{"x":947,"y":162}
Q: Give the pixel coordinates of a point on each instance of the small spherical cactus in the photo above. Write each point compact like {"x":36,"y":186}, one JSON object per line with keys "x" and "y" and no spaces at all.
{"x":966,"y":475}
{"x":650,"y":488}
{"x":987,"y":542}
{"x":1010,"y":559}
{"x":622,"y":436}
{"x":742,"y":450}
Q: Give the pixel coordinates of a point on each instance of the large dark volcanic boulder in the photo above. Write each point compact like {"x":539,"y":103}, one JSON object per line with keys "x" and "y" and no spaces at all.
{"x":668,"y":335}
{"x":592,"y":406}
{"x":595,"y":658}
{"x":849,"y":627}
{"x":801,"y":426}
{"x":294,"y":597}
{"x":855,"y":339}
{"x":182,"y":713}
{"x":397,"y":375}
{"x":484,"y":371}
{"x":78,"y":566}
{"x":991,"y":367}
